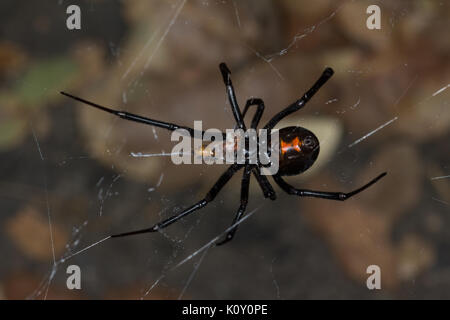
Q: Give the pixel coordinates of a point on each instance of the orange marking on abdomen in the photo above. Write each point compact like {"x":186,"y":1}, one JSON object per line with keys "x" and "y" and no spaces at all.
{"x":287,"y":146}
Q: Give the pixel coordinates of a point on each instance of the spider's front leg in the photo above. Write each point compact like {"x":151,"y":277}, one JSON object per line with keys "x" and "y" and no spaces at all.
{"x":136,"y":118}
{"x":224,"y":178}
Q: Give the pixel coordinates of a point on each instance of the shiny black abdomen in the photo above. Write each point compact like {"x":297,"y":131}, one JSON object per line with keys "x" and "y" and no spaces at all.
{"x":299,"y":149}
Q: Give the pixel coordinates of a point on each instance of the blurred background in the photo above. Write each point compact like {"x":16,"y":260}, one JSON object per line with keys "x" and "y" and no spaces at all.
{"x":69,"y":179}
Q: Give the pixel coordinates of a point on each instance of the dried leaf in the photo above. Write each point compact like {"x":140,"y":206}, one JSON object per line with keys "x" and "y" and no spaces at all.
{"x":30,"y":232}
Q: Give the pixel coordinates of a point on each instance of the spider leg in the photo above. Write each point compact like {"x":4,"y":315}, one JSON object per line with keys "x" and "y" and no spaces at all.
{"x":232,"y":96}
{"x":259,"y":111}
{"x":326,"y":75}
{"x":262,"y":180}
{"x":341,"y":196}
{"x":133,"y":117}
{"x":264,"y":183}
{"x":245,"y":184}
{"x":224,"y":178}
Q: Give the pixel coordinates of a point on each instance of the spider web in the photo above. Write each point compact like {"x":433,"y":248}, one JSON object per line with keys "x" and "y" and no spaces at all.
{"x":178,"y":259}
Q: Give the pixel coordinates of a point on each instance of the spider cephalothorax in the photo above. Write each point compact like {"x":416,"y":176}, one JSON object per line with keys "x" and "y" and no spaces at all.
{"x":298,"y":149}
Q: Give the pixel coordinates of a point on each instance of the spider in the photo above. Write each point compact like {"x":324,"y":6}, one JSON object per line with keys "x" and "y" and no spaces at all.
{"x":299,"y":148}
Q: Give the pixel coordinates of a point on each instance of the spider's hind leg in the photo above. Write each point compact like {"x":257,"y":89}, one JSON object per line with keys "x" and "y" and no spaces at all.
{"x":339,"y":196}
{"x":297,"y":105}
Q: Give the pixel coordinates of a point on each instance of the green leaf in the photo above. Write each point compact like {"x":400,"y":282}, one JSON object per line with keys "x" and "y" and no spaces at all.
{"x":45,"y":78}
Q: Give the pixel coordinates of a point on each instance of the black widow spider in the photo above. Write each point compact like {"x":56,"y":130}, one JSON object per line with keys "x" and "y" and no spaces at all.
{"x":298,"y":150}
